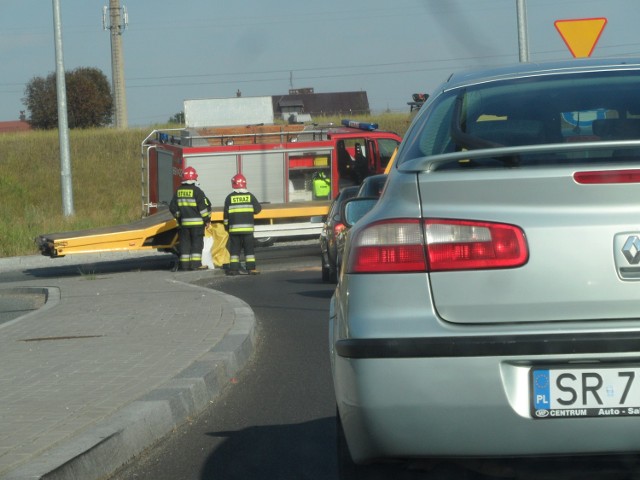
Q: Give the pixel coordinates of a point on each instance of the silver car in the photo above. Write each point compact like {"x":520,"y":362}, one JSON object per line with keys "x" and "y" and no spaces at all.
{"x":489,"y":303}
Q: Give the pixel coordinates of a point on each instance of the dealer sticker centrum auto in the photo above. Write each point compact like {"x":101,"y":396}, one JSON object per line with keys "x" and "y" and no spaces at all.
{"x":588,"y":392}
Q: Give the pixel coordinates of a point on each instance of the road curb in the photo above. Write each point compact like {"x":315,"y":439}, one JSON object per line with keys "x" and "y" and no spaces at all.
{"x":100,"y":451}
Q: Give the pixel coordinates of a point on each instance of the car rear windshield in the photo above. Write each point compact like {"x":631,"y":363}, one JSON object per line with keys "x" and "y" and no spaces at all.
{"x":544,"y":109}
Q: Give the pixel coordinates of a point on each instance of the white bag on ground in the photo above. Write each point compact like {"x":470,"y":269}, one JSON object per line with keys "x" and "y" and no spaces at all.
{"x":207,"y":259}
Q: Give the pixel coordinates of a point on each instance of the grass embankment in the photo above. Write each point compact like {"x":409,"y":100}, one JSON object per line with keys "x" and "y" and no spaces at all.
{"x":106,"y":176}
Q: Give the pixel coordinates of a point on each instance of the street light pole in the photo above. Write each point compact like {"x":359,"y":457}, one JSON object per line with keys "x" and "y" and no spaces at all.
{"x":63,"y":126}
{"x":523,"y":42}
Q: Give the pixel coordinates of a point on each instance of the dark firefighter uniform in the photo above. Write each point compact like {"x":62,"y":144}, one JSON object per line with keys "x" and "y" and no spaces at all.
{"x":192,"y":209}
{"x":240,"y":206}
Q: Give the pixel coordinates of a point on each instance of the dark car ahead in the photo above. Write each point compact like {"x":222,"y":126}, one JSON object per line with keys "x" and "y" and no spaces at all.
{"x":489,"y":302}
{"x":372,"y":186}
{"x":330,"y":229}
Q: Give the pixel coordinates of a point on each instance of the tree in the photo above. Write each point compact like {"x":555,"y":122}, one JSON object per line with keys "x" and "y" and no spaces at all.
{"x":89,"y":99}
{"x":40,"y":100}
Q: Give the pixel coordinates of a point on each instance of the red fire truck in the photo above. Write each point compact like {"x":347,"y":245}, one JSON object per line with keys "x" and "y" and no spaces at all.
{"x":280,"y":163}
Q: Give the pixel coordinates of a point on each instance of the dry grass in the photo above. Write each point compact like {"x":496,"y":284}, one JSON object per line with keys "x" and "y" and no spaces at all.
{"x":106,"y":176}
{"x":105,"y":171}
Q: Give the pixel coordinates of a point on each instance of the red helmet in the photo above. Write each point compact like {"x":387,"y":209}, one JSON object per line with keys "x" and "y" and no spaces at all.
{"x":238,"y":181}
{"x":189,"y":173}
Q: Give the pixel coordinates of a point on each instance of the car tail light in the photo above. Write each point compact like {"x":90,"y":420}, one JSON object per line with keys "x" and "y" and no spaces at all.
{"x":390,"y":246}
{"x":338,"y":227}
{"x":469,"y":245}
{"x":607,"y":176}
{"x":406,"y":245}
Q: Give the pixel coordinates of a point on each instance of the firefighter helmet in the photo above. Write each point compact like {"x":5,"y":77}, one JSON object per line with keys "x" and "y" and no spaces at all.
{"x":189,"y":173}
{"x":238,"y":181}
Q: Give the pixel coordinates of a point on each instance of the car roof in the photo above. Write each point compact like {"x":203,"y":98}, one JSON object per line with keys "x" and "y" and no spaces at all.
{"x":523,"y":70}
{"x":348,"y":192}
{"x":375,"y":178}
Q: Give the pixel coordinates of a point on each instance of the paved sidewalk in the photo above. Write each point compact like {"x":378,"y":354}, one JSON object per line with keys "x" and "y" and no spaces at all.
{"x":112,"y":362}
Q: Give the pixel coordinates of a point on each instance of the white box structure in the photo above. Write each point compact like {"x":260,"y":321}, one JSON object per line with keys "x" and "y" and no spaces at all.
{"x":219,"y":112}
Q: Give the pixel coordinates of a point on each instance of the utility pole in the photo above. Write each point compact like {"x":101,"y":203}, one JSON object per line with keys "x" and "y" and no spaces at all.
{"x":523,"y":42}
{"x":63,"y":124}
{"x":116,"y":20}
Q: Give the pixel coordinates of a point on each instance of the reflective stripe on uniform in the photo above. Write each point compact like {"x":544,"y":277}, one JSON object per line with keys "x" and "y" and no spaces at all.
{"x":241,"y":209}
{"x":193,"y":221}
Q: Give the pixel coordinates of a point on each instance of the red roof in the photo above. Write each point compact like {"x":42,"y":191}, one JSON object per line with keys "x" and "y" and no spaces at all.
{"x":14,"y":126}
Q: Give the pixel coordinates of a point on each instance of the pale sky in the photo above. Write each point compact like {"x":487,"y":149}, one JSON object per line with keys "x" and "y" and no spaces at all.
{"x":174,"y":51}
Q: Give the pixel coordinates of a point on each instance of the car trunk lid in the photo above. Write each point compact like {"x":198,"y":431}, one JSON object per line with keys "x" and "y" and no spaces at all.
{"x":582,"y":239}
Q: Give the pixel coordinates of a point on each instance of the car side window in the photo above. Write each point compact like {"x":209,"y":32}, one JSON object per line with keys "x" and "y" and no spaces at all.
{"x":431,"y":134}
{"x":332,"y":210}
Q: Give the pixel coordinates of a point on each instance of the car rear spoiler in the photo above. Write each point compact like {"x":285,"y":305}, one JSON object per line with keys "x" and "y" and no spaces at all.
{"x":432,"y":162}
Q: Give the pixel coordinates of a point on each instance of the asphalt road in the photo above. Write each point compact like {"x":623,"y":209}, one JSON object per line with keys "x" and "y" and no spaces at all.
{"x":276,"y":420}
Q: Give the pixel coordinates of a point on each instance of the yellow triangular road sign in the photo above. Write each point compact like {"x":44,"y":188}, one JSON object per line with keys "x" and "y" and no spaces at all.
{"x":581,"y":35}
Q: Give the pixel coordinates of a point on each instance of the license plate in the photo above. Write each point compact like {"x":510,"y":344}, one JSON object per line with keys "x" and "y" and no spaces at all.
{"x":585,"y":392}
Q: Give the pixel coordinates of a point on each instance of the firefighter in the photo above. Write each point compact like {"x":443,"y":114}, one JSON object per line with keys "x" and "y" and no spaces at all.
{"x":361,"y":169}
{"x":192,"y":210}
{"x":240,"y":206}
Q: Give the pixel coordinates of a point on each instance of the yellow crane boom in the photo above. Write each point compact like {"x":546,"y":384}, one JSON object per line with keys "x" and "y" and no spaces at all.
{"x":160,"y":231}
